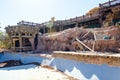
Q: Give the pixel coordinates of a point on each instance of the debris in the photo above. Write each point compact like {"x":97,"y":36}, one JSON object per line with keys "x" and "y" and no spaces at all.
{"x":93,"y":38}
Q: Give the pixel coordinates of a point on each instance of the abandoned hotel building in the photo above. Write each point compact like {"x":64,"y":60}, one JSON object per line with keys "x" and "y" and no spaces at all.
{"x":21,"y":34}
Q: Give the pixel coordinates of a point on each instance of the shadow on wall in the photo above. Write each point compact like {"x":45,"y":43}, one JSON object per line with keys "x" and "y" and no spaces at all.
{"x":84,"y":71}
{"x":31,"y":61}
{"x":19,"y":67}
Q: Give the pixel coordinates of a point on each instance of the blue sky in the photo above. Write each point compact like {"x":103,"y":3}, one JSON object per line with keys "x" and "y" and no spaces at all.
{"x":13,"y":11}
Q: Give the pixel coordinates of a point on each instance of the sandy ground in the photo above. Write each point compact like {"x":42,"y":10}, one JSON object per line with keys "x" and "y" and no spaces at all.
{"x":36,"y":73}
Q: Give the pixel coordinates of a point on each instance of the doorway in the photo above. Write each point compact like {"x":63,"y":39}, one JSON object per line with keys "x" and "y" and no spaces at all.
{"x":17,"y":44}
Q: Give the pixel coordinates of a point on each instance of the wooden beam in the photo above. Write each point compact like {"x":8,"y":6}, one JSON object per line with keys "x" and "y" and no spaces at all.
{"x":94,"y":40}
{"x":86,"y":34}
{"x":94,"y":35}
{"x":93,"y":48}
{"x":84,"y":45}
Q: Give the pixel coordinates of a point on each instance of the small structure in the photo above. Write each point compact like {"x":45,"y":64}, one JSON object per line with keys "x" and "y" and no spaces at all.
{"x":20,"y":36}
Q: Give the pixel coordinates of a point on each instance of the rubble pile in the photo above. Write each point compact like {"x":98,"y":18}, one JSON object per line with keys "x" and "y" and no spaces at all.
{"x":98,"y":39}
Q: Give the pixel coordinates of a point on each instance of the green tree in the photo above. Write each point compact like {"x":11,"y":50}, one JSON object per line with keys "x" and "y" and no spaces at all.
{"x":4,"y":40}
{"x":1,"y":39}
{"x":49,"y":25}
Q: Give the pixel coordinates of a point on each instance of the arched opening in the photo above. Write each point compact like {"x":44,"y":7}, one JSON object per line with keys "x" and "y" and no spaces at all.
{"x":26,"y":42}
{"x":17,"y":43}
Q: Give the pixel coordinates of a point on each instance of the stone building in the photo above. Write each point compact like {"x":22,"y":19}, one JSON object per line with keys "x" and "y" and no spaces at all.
{"x":20,"y":36}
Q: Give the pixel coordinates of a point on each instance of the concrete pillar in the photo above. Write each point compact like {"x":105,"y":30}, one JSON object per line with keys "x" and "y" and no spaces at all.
{"x":76,"y":25}
{"x":44,"y":30}
{"x":20,"y":42}
{"x":11,"y":43}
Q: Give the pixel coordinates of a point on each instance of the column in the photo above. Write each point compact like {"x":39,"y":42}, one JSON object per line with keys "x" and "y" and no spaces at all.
{"x":76,"y":25}
{"x":10,"y":46}
{"x":20,"y":42}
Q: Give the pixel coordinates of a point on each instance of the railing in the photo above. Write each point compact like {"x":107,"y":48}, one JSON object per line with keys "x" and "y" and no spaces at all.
{"x":73,"y":20}
{"x":62,"y":22}
{"x":80,"y":19}
{"x":27,"y":23}
{"x":109,"y":3}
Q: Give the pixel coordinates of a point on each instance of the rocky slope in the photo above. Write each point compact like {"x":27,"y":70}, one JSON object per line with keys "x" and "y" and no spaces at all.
{"x":98,"y":39}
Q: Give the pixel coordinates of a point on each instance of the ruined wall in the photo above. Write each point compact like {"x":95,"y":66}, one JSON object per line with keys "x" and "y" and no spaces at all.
{"x":66,"y":40}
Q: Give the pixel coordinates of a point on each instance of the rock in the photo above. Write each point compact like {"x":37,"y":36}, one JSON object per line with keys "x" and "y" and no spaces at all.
{"x":65,"y":40}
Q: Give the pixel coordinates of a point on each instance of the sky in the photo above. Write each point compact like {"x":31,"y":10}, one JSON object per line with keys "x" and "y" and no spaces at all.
{"x":38,"y":11}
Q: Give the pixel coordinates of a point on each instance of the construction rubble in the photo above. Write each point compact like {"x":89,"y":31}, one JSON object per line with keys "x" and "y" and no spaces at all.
{"x":81,"y":39}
